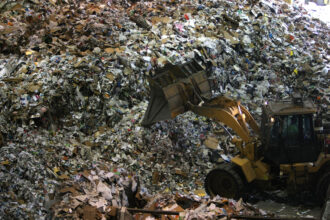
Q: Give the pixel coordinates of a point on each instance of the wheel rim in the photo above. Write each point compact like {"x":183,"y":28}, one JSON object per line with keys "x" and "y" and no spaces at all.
{"x":219,"y":182}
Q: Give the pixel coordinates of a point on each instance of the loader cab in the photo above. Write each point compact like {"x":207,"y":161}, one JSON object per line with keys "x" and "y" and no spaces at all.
{"x":288,"y":133}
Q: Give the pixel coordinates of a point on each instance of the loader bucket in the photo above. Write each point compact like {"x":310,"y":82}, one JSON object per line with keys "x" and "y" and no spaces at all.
{"x":172,"y":87}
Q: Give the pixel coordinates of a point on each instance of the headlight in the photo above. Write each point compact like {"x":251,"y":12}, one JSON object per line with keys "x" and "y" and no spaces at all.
{"x":272,"y":120}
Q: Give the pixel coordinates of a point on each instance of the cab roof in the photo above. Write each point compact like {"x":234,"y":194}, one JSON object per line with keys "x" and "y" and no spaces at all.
{"x":291,"y":108}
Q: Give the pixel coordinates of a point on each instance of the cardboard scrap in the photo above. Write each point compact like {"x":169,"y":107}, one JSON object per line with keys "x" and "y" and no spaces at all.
{"x":113,"y":50}
{"x":155,"y":177}
{"x":174,"y":208}
{"x":156,"y":20}
{"x":64,"y":177}
{"x":211,"y":142}
{"x":110,"y":76}
{"x":33,"y":87}
{"x":178,"y":171}
{"x":69,"y":189}
{"x":90,"y":213}
{"x":230,"y":38}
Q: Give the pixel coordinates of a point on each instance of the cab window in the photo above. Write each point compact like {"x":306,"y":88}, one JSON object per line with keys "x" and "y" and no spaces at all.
{"x":290,"y":131}
{"x":307,"y":128}
{"x":275,"y":133}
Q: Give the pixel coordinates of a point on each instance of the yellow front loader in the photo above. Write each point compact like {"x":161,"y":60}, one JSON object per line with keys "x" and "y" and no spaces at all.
{"x":266,"y":152}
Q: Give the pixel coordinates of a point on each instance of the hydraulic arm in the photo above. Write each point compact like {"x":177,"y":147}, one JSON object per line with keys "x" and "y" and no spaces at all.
{"x":181,"y":88}
{"x":232,"y":114}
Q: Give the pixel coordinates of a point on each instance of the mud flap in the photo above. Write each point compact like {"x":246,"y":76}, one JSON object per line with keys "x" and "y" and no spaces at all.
{"x":246,"y":167}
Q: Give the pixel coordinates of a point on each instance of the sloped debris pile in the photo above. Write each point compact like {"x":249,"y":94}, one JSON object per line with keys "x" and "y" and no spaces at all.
{"x":74,"y":89}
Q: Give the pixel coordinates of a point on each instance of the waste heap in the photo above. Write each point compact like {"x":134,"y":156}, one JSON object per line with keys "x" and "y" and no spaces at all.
{"x":74,"y":89}
{"x":100,"y":192}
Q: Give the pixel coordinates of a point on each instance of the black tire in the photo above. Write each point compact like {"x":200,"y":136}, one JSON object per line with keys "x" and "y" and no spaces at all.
{"x":322,"y":187}
{"x":224,"y":181}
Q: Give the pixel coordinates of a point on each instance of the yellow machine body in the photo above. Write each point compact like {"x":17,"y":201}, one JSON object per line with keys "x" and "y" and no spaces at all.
{"x":185,"y":87}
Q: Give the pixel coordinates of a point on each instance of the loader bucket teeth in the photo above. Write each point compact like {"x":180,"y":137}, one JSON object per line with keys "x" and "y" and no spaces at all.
{"x":172,"y":88}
